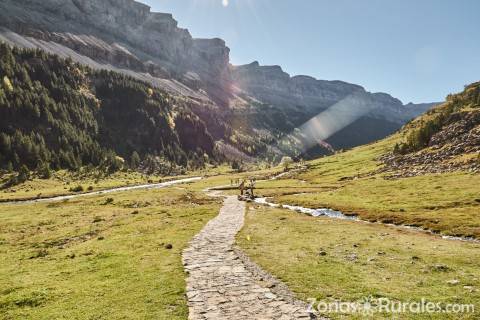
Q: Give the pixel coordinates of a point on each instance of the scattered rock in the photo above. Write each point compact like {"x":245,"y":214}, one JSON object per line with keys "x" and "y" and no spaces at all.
{"x":352,"y":257}
{"x":40,"y":254}
{"x":440,"y":268}
{"x":470,"y":289}
{"x":459,"y":135}
{"x":270,"y":295}
{"x":453,"y":282}
{"x":97,"y":219}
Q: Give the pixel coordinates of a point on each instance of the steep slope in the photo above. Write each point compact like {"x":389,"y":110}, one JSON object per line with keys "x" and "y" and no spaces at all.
{"x":56,"y":112}
{"x":445,"y":139}
{"x":247,"y":109}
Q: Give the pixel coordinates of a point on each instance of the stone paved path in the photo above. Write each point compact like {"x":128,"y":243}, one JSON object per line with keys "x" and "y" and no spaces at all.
{"x":219,"y":285}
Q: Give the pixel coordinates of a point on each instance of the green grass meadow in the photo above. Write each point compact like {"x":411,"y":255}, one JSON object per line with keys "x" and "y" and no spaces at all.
{"x":102,"y":257}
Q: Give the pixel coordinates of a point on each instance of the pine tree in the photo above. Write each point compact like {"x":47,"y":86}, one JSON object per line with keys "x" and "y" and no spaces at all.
{"x":44,"y":171}
{"x":23,"y":174}
{"x":134,"y":160}
{"x":7,"y":84}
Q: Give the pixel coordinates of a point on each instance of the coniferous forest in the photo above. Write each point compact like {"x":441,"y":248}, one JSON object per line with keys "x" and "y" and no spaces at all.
{"x":57,"y":114}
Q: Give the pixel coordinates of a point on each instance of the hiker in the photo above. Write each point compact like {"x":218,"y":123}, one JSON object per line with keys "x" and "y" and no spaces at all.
{"x":242,"y":187}
{"x":252,"y":186}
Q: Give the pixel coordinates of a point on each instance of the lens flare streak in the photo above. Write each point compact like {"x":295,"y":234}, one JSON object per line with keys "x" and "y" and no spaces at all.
{"x":324,"y":125}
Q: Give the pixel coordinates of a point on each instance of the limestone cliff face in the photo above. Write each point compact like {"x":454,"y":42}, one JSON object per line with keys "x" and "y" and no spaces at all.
{"x":123,"y":33}
{"x":253,"y":77}
{"x":271,"y":85}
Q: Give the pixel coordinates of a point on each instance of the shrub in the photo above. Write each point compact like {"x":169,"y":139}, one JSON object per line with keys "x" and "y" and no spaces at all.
{"x":108,"y":201}
{"x":420,"y":138}
{"x":23,"y":174}
{"x":40,"y":254}
{"x":44,"y":171}
{"x":235,"y":165}
{"x":77,"y":189}
{"x":286,"y":163}
{"x":97,"y":219}
{"x":400,"y":148}
{"x":135,"y":160}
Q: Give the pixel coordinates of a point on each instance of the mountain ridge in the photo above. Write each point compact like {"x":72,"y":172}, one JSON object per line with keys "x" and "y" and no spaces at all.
{"x":259,"y":104}
{"x":297,"y":84}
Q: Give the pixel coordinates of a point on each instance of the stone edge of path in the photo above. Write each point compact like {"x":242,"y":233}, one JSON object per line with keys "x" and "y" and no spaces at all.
{"x":271,"y":282}
{"x":268,"y":280}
